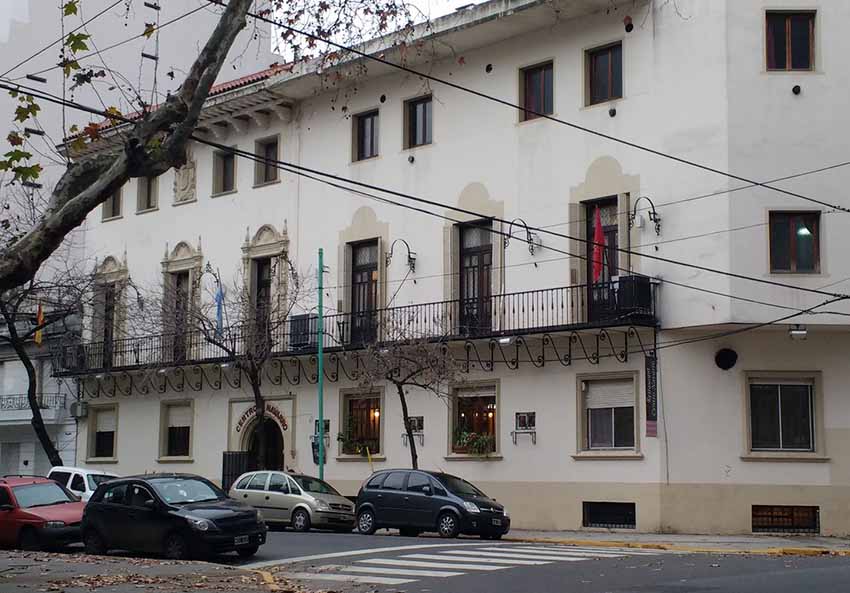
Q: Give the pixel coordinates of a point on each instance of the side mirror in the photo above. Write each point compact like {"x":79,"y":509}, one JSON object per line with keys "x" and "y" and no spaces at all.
{"x":150,"y":504}
{"x":6,"y":507}
{"x":426,"y":490}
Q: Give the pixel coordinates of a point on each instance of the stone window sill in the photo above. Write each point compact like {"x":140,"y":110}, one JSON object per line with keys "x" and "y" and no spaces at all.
{"x":184,"y":202}
{"x":176,"y":459}
{"x":463,"y":457}
{"x":266,"y":183}
{"x":781,"y":456}
{"x":361,"y":458}
{"x":147,"y":210}
{"x":101,"y":460}
{"x":223,"y":193}
{"x":608,"y":455}
{"x":111,"y":218}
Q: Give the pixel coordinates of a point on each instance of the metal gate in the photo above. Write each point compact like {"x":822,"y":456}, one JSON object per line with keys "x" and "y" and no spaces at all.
{"x":233,"y":465}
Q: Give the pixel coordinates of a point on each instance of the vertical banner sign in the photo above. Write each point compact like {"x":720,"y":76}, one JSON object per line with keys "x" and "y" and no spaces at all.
{"x":651,"y":374}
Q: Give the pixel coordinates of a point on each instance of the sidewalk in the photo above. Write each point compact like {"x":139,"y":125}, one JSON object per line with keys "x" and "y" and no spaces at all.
{"x":724,"y":544}
{"x":31,"y":572}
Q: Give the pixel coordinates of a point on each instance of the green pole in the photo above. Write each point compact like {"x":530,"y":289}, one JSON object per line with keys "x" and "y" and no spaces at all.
{"x":321,"y":382}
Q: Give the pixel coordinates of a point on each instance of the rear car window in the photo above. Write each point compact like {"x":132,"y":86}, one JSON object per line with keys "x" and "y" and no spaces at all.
{"x":258,"y":482}
{"x":115,"y":494}
{"x":78,"y":484}
{"x":417,"y":482}
{"x":60,"y":477}
{"x":376,"y":481}
{"x":394,"y":481}
{"x":243,"y":483}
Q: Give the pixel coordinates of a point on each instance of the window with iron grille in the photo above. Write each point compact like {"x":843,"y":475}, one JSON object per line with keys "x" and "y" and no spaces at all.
{"x":419,"y":121}
{"x":536,"y":84}
{"x":785,"y":519}
{"x":366,"y":135}
{"x":103,"y":423}
{"x":605,"y":73}
{"x":610,"y":515}
{"x":790,"y":38}
{"x":795,"y":242}
{"x":362,"y":424}
{"x":474,"y":420}
{"x":177,"y":437}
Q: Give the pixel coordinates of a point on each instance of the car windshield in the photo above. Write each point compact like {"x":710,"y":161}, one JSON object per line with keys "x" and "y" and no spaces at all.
{"x":96,"y":479}
{"x":314,"y":485}
{"x":41,"y":495}
{"x":460,"y":487}
{"x":186,"y":490}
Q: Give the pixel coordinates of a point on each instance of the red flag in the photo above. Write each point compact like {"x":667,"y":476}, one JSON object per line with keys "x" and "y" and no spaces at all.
{"x":598,"y":246}
{"x":39,"y":321}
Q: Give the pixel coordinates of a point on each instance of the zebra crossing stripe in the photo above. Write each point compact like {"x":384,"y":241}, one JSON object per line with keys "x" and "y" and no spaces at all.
{"x":567,"y":553}
{"x":350,"y":578}
{"x":514,"y":556}
{"x":479,"y":560}
{"x":414,"y":560}
{"x":604,"y":551}
{"x":404,"y":572}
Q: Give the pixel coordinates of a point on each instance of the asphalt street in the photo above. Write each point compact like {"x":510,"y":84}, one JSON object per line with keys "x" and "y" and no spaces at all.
{"x":358,"y":564}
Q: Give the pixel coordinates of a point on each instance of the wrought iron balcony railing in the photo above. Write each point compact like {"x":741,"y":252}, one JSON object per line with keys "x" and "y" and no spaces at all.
{"x":20,"y":401}
{"x":628,"y":300}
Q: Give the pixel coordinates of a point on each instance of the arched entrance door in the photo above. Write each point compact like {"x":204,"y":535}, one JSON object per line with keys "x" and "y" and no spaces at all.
{"x":274,"y":444}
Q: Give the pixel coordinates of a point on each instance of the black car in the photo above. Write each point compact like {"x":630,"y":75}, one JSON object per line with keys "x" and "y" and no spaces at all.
{"x":415,"y":501}
{"x":177,"y":515}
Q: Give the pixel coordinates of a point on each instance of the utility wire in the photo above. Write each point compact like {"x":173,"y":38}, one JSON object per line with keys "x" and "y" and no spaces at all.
{"x":525,"y":110}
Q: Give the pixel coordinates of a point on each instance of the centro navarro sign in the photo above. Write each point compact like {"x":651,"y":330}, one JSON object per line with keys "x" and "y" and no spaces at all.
{"x":251,"y":413}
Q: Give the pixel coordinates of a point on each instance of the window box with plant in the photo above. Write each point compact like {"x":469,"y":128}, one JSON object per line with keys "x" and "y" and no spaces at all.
{"x":474,"y":422}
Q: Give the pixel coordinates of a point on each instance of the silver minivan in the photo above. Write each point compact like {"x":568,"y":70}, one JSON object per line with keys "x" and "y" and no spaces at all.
{"x":294,"y":499}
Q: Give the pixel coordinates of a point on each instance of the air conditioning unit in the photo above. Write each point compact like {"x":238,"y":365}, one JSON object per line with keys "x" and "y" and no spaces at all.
{"x":79,"y":409}
{"x":634,"y":295}
{"x":302,"y":332}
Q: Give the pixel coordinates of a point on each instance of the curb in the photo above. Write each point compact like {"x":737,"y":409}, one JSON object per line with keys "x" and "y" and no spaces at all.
{"x":671,"y":547}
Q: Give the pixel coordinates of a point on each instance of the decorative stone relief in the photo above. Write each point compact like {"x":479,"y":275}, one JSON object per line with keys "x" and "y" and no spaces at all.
{"x":184,"y":183}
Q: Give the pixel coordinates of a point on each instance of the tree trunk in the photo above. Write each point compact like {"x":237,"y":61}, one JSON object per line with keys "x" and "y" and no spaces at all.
{"x":32,"y":390}
{"x":260,"y":404}
{"x":414,"y":456}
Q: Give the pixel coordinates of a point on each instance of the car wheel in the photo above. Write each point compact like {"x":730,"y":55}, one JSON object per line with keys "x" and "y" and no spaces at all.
{"x":448,"y":525}
{"x":409,"y":532}
{"x":28,"y":540}
{"x":366,"y":523}
{"x":94,"y":544}
{"x":247,"y":552}
{"x":301,"y":520}
{"x":176,"y":547}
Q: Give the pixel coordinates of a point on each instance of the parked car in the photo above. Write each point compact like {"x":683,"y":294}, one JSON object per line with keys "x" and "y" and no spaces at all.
{"x":415,"y":501}
{"x":37,"y":513}
{"x":177,"y":515}
{"x":82,"y":482}
{"x":301,"y":501}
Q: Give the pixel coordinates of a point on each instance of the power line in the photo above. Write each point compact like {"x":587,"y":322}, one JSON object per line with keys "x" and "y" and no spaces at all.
{"x":523,"y":109}
{"x":299,"y":170}
{"x":60,"y":40}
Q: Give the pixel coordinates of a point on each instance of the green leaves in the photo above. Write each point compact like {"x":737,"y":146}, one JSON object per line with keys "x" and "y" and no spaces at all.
{"x":150,"y":28}
{"x":70,"y":7}
{"x":76,"y":42}
{"x":26,"y":109}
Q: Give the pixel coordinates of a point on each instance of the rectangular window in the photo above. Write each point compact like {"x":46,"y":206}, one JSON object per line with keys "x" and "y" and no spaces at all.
{"x":104,"y":424}
{"x":364,"y":291}
{"x":537,"y":91}
{"x":609,"y":414}
{"x":262,"y":292}
{"x":266,"y":170}
{"x":148,"y":197}
{"x":177,"y":420}
{"x":790,"y":40}
{"x":366,"y":135}
{"x":782,"y":416}
{"x":474,"y":420}
{"x":362,"y":416}
{"x":604,"y":73}
{"x":112,"y":206}
{"x":610,"y":515}
{"x":419,"y":124}
{"x":785,"y":519}
{"x":224,"y":172}
{"x":795,"y":242}
{"x":526,"y":421}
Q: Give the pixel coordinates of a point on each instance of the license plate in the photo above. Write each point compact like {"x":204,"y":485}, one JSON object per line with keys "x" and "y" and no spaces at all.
{"x":497,"y":521}
{"x":241,"y":540}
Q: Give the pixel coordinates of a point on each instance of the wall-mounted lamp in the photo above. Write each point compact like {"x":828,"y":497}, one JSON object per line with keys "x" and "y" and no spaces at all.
{"x":532,"y":239}
{"x":411,"y":255}
{"x":798,"y":332}
{"x":636,"y":220}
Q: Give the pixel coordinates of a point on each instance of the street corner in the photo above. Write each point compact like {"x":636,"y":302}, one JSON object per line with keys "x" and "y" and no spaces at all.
{"x":71,"y":573}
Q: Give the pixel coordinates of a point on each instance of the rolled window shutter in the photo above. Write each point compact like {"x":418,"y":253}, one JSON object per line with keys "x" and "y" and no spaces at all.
{"x":179,"y":416}
{"x":616,"y":393}
{"x":106,"y":421}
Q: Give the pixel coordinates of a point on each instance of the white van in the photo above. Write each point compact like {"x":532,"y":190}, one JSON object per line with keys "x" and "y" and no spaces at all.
{"x":82,"y":482}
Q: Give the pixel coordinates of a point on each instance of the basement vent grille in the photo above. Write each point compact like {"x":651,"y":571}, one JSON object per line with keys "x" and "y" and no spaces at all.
{"x":610,"y":515}
{"x":785,"y":519}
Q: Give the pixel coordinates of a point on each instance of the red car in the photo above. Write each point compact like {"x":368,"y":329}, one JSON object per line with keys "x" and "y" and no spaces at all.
{"x":37,"y":513}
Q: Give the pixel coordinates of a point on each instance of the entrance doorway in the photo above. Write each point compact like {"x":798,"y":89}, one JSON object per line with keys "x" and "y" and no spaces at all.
{"x":274,"y":445}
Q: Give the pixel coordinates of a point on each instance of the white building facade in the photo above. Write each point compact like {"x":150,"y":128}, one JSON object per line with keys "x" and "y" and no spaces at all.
{"x":724,"y":428}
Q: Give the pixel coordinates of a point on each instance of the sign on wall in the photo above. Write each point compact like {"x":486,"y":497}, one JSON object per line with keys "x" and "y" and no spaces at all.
{"x":243,"y":419}
{"x":651,"y":375}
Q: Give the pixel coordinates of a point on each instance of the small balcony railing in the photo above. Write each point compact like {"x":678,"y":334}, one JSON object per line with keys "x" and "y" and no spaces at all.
{"x":20,"y":401}
{"x":628,"y":300}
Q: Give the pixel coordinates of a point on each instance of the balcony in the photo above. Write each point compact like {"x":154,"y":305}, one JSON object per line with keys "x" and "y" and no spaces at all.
{"x":15,"y":408}
{"x":627,"y":301}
